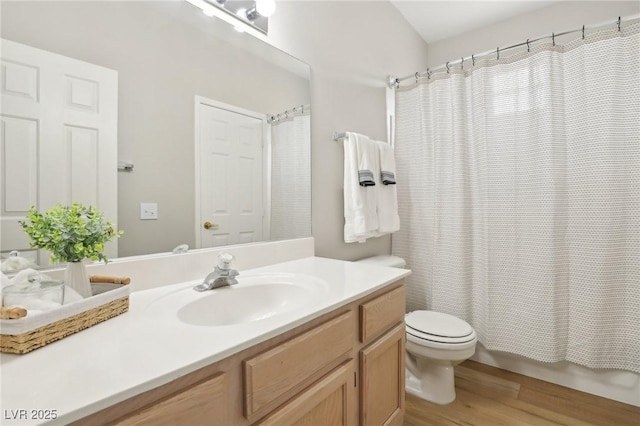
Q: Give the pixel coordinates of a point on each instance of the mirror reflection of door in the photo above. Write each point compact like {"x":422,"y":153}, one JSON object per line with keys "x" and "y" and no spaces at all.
{"x":58,"y":139}
{"x":230,"y":184}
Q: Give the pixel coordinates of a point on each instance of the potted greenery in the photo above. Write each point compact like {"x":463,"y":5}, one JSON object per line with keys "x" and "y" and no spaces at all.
{"x":71,"y":234}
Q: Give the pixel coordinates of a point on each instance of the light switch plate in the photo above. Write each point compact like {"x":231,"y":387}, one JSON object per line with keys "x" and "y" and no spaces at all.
{"x":148,"y":211}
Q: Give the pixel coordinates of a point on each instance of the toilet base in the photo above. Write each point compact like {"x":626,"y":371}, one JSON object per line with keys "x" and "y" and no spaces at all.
{"x":435,"y":382}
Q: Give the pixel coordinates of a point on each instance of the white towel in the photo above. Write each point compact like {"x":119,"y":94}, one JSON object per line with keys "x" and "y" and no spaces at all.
{"x":360,"y":202}
{"x":369,"y":161}
{"x":387,"y":164}
{"x":354,"y":220}
{"x":388,"y":219}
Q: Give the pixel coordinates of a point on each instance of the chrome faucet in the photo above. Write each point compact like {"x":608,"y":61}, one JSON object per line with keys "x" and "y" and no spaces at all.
{"x":222,"y":275}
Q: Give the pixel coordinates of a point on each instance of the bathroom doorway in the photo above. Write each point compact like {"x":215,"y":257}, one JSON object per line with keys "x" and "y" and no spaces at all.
{"x":230,"y":174}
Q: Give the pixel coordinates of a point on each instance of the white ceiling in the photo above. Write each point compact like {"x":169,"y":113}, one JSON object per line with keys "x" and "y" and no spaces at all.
{"x":437,"y":20}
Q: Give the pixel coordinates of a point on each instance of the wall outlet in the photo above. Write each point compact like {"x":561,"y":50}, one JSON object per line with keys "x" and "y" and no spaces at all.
{"x":148,"y":211}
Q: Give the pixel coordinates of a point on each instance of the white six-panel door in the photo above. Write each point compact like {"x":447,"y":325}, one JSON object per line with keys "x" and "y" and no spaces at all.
{"x":58,"y":138}
{"x":229,"y":174}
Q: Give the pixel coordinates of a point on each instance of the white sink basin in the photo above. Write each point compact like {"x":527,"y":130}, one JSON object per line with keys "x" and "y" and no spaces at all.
{"x":254,"y":298}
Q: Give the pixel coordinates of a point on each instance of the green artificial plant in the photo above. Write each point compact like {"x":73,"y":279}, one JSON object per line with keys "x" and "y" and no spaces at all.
{"x":70,"y":233}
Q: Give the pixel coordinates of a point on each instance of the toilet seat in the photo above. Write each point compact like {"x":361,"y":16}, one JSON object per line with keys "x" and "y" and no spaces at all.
{"x":437,"y":327}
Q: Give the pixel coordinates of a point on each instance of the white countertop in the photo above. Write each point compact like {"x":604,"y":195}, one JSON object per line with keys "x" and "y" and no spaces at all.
{"x":132,"y":353}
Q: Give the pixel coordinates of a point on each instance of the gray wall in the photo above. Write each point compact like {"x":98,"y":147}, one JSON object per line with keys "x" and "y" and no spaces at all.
{"x":352,"y":47}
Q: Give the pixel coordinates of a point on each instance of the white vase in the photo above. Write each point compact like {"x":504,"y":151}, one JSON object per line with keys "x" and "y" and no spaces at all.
{"x":75,"y":276}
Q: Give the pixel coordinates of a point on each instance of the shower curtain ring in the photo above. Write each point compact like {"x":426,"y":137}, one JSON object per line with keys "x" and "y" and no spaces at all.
{"x":447,"y":67}
{"x":417,"y":76}
{"x":583,"y":32}
{"x":462,"y":63}
{"x":473,"y":60}
{"x":619,"y":20}
{"x":498,"y":52}
{"x":428,"y":74}
{"x":528,"y":48}
{"x":397,"y":83}
{"x":553,"y":38}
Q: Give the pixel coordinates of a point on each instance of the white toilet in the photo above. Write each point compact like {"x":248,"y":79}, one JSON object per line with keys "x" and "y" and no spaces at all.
{"x":436,"y":342}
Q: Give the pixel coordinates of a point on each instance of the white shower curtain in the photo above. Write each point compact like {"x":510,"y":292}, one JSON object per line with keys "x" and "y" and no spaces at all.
{"x":519,"y":192}
{"x":291,"y":178}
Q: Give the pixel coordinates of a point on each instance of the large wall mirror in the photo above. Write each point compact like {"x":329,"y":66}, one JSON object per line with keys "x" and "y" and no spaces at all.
{"x":189,"y":89}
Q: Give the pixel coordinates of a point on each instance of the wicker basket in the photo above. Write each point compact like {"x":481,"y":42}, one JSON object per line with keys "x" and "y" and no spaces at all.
{"x":59,"y":328}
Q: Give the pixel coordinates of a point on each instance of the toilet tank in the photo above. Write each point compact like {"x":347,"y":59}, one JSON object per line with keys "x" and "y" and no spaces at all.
{"x":385,"y":260}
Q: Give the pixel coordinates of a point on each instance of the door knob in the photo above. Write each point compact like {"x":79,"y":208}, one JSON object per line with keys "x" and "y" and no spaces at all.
{"x":209,"y":225}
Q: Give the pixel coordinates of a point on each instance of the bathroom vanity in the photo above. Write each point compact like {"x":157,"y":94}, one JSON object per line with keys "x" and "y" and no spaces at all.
{"x":336,"y":360}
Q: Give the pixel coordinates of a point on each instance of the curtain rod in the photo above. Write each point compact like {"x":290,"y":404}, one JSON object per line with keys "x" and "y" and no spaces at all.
{"x":337,"y":136}
{"x":395,"y":81}
{"x":288,"y":113}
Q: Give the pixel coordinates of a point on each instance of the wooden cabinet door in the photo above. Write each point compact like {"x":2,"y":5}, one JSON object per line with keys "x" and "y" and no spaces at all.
{"x":382,"y":380}
{"x":202,"y":404}
{"x":329,"y":402}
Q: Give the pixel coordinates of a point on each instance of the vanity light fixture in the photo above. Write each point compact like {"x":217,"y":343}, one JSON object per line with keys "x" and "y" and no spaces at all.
{"x":242,"y":14}
{"x":265,"y":8}
{"x":251,"y":14}
{"x":207,"y":8}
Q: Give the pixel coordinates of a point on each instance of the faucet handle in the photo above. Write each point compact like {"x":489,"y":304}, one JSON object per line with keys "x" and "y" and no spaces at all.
{"x":224,"y":261}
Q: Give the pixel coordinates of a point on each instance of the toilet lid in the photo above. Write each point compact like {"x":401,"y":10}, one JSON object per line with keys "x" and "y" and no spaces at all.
{"x":438,"y":326}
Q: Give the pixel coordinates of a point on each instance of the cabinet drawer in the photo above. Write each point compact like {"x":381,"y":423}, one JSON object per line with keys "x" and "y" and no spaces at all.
{"x":330,"y":401}
{"x":382,"y":313}
{"x":203,"y":403}
{"x":274,"y":376}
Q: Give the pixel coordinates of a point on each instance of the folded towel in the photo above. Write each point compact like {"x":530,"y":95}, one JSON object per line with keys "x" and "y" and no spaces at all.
{"x":387,"y":164}
{"x":354,"y":223}
{"x":388,"y":218}
{"x":388,"y":178}
{"x":368,"y":160}
{"x":366,"y":178}
{"x":360,"y":202}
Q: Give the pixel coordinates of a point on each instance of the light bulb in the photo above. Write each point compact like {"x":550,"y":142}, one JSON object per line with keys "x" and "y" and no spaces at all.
{"x":242,"y":15}
{"x":266,"y":7}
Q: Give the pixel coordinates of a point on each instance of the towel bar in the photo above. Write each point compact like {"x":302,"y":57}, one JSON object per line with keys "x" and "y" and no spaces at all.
{"x":337,"y":136}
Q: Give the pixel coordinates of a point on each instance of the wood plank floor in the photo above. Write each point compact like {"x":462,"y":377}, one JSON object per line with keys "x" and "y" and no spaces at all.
{"x":490,"y":396}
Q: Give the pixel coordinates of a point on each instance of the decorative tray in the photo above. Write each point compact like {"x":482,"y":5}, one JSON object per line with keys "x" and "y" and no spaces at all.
{"x":22,"y":335}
